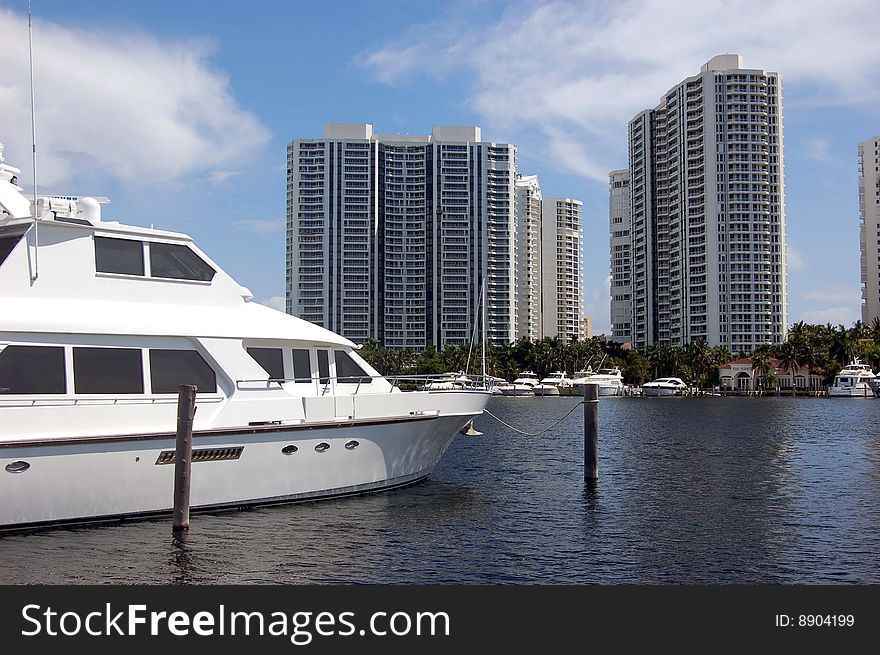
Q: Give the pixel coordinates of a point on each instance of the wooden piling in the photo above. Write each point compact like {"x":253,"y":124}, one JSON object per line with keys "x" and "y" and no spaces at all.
{"x":186,"y":409}
{"x":591,"y":432}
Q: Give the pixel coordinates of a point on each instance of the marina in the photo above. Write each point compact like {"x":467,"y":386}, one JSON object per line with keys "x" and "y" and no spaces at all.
{"x":339,"y":420}
{"x":690,"y":491}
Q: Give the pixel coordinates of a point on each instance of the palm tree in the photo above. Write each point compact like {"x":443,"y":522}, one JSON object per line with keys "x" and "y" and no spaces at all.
{"x":430,"y":361}
{"x":521,"y":354}
{"x":761,"y":365}
{"x":798,"y":331}
{"x":547,"y":356}
{"x":858,"y":331}
{"x":580,"y":352}
{"x":789,"y":357}
{"x":870,"y":354}
{"x":873,"y":330}
{"x":699,"y":358}
{"x":660,"y":357}
{"x":844,"y":345}
{"x":635,"y":368}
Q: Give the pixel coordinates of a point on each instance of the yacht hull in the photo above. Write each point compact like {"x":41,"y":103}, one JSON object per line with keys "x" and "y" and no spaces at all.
{"x":861,"y":390}
{"x":518,"y":391}
{"x":610,"y":390}
{"x":659,"y":392}
{"x":604,"y":389}
{"x":87,"y":478}
{"x":546,"y":390}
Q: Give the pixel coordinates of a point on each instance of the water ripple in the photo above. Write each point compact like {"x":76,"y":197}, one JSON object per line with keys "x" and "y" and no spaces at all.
{"x":701,"y":490}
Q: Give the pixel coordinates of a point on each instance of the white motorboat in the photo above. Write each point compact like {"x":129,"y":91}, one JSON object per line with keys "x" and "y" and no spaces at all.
{"x":610,"y":381}
{"x":497,"y":385}
{"x":581,"y":376}
{"x":852,"y":382}
{"x":524,"y":385}
{"x":448,"y":381}
{"x":553,"y":385}
{"x":578,"y":380}
{"x":665,"y":387}
{"x":102,"y":322}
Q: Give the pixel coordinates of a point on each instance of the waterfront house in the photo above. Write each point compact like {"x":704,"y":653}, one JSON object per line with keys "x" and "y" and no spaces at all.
{"x":740,"y":375}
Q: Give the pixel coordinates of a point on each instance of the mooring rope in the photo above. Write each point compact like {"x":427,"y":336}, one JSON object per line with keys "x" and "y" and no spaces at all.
{"x":533,"y":434}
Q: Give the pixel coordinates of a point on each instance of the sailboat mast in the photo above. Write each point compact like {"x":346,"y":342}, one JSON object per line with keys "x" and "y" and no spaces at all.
{"x":485,"y":381}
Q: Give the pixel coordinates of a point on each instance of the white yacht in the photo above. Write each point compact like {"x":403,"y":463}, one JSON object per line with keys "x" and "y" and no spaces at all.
{"x":100,"y":324}
{"x":449,"y":381}
{"x":852,"y":382}
{"x":553,"y":385}
{"x":578,"y":380}
{"x":524,"y":385}
{"x":580,"y":377}
{"x":497,"y":385}
{"x":665,"y":387}
{"x":610,"y":381}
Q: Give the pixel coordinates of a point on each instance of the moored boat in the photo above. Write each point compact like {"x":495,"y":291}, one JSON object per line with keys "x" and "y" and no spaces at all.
{"x":665,"y":387}
{"x":523,"y":385}
{"x":448,"y":381}
{"x":103,"y":321}
{"x":853,"y":382}
{"x":610,"y":381}
{"x":554,"y":385}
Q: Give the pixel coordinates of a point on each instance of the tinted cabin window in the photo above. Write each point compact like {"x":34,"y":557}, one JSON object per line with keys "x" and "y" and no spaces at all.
{"x":347,"y":370}
{"x":32,"y":369}
{"x":7,"y":243}
{"x":108,"y":370}
{"x":178,"y":262}
{"x":302,"y":367}
{"x":324,"y":366}
{"x":119,"y":256}
{"x":271,"y":359}
{"x":171,"y":368}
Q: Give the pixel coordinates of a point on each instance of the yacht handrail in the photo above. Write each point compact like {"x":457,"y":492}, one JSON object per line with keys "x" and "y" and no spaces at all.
{"x":475,"y":382}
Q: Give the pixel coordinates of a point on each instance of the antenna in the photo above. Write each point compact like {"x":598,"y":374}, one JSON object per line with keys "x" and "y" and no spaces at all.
{"x":36,"y":273}
{"x":33,"y":110}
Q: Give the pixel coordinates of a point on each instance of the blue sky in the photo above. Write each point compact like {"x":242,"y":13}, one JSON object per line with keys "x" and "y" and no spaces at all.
{"x":180,"y":111}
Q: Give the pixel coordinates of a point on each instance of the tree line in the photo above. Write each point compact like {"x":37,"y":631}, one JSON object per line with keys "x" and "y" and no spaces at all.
{"x":825,"y":349}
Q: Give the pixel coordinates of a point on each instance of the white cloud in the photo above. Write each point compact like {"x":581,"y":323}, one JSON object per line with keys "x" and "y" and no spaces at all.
{"x":262,"y":226}
{"x":219,"y":177}
{"x":817,"y":149}
{"x":835,"y":293}
{"x":834,"y":315}
{"x":794,"y":259}
{"x":130,"y":105}
{"x":275,"y":302}
{"x":845,"y":304}
{"x":575,"y":72}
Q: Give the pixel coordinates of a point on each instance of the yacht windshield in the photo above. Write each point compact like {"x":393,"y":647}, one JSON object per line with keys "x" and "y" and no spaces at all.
{"x":8,"y":241}
{"x":179,"y":262}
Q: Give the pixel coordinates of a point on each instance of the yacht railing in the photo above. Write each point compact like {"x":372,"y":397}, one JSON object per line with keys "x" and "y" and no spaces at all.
{"x":324,"y":384}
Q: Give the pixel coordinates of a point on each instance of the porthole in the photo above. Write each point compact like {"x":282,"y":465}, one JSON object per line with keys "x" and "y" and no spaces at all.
{"x":289,"y":450}
{"x":351,"y":445}
{"x":322,"y":447}
{"x":17,"y":467}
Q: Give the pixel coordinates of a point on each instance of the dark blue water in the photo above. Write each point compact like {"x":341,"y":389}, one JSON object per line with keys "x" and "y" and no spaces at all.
{"x":691,"y":490}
